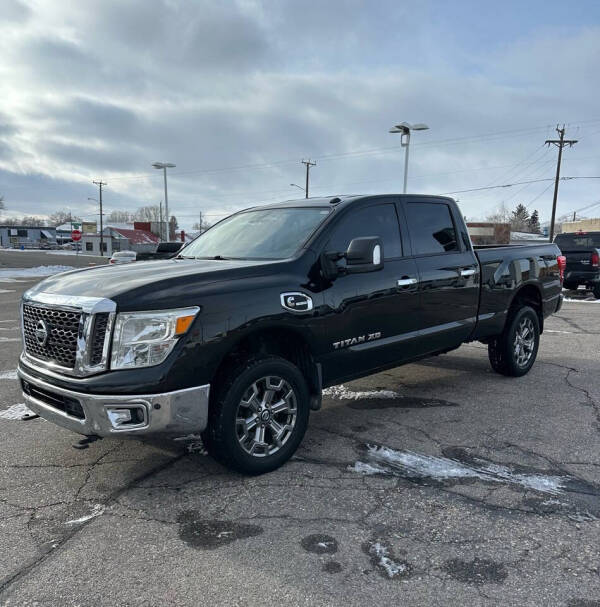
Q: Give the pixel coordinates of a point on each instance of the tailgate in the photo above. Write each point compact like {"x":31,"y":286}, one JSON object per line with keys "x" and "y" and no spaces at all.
{"x":578,"y":260}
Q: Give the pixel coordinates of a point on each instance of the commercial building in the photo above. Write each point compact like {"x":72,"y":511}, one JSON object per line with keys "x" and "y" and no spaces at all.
{"x":27,"y":237}
{"x":583,"y":225}
{"x":119,"y":239}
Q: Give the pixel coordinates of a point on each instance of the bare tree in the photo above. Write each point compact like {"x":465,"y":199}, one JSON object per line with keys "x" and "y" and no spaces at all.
{"x":201,"y":227}
{"x":148,"y":213}
{"x":63,"y":216}
{"x":120,"y":216}
{"x":173,"y":227}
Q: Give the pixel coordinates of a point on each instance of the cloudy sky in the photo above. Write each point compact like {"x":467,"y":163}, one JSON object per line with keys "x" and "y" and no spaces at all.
{"x":237,"y":93}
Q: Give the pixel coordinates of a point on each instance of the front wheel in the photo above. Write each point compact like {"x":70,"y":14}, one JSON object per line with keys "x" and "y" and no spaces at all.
{"x":259,"y":415}
{"x":514,"y":351}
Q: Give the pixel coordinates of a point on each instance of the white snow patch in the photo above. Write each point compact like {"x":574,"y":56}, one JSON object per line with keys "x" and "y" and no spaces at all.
{"x":7,"y":290}
{"x":8,"y":274}
{"x":441,"y":468}
{"x":16,"y":412}
{"x":566,"y":332}
{"x":367,"y":469}
{"x":97,"y":510}
{"x":591,"y":301}
{"x":392,"y":568}
{"x":342,"y":393}
{"x":10,"y":339}
{"x":8,"y":375}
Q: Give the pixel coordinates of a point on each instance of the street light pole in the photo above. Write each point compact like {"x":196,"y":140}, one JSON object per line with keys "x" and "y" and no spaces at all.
{"x":404,"y":128}
{"x":164,"y":166}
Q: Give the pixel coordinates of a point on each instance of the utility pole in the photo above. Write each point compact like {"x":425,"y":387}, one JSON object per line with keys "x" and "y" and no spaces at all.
{"x":200,"y":221}
{"x":560,"y":144}
{"x":160,"y":220}
{"x":308,"y":164}
{"x":100,"y":184}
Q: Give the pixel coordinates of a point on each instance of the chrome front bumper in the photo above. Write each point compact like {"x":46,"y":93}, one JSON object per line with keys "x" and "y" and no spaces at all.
{"x":172,"y":413}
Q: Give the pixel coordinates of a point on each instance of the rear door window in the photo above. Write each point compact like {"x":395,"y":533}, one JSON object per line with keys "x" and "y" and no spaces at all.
{"x":378,"y":220}
{"x":431,"y":228}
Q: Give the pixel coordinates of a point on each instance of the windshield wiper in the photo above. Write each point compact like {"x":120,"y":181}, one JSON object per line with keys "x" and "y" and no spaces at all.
{"x":217,"y":257}
{"x":185,"y":257}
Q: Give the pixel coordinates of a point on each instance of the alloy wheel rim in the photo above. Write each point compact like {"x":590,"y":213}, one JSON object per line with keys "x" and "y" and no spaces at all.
{"x":266,"y":416}
{"x":524,"y":343}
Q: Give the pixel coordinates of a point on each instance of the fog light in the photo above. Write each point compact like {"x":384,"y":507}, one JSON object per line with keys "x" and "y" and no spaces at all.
{"x":124,"y":417}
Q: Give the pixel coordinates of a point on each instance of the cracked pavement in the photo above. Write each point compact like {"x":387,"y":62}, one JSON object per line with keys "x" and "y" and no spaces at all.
{"x":147,"y":523}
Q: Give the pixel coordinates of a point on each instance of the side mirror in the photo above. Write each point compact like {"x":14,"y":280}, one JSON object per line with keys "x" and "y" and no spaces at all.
{"x":364,"y":255}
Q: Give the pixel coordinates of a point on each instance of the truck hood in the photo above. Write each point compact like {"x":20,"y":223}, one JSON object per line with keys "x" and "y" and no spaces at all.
{"x":151,"y":284}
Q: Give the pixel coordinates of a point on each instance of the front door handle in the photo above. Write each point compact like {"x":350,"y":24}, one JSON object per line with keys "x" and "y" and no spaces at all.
{"x":467,"y":272}
{"x":405,"y":282}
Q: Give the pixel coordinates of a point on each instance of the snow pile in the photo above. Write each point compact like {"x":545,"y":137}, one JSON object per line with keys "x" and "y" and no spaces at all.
{"x":415,"y":465}
{"x":383,"y":559}
{"x":8,"y":375}
{"x":16,"y":412}
{"x":342,"y":393}
{"x":8,"y":274}
{"x":96,"y":511}
{"x":571,"y":300}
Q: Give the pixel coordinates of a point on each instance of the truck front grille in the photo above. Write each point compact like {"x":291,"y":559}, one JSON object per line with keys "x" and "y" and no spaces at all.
{"x":61,"y":326}
{"x":98,"y":338}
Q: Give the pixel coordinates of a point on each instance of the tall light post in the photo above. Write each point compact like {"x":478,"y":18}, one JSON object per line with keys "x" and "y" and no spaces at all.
{"x":299,"y":187}
{"x":164,"y":166}
{"x":404,"y":128}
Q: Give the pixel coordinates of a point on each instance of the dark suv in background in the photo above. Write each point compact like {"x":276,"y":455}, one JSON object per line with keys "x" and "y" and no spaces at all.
{"x":582,"y":250}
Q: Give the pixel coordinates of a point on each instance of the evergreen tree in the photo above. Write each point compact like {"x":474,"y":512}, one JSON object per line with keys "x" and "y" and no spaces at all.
{"x":519,"y":220}
{"x":534,"y":223}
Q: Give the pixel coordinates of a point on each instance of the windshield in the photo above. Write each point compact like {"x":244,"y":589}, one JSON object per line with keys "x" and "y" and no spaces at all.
{"x":259,"y":234}
{"x":578,"y":241}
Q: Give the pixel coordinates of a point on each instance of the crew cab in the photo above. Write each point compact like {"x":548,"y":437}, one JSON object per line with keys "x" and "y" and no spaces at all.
{"x":582,"y":251}
{"x":237,"y":335}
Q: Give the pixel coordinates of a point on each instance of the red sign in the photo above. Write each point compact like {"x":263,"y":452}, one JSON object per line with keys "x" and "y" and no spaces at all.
{"x":76,"y":235}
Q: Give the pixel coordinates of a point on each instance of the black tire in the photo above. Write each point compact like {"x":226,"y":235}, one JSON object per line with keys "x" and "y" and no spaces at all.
{"x":571,"y":286}
{"x":504,"y":356}
{"x":596,"y":291}
{"x":221,"y":436}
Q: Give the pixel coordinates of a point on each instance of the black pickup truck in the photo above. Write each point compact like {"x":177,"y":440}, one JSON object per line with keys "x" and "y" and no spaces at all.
{"x":582,"y":250}
{"x":237,"y":335}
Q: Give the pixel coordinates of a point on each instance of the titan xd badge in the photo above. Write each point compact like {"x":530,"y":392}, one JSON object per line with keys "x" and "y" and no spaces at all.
{"x":352,"y":341}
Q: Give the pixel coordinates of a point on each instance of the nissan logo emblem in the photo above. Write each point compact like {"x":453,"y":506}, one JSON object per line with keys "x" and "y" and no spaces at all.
{"x":41,"y":332}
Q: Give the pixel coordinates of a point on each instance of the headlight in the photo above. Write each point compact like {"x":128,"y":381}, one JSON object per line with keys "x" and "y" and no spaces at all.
{"x":144,"y":339}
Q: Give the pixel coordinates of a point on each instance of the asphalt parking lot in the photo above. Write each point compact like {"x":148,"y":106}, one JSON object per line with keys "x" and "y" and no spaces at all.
{"x":437,"y":483}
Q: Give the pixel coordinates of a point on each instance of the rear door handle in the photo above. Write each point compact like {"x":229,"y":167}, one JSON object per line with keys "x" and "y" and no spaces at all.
{"x":467,"y":272}
{"x":405,"y":282}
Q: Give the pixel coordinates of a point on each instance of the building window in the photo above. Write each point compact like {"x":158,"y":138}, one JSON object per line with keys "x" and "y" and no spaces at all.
{"x":22,"y":233}
{"x":89,"y":246}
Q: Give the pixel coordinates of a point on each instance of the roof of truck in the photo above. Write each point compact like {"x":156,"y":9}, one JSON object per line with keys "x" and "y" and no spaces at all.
{"x":341,"y":199}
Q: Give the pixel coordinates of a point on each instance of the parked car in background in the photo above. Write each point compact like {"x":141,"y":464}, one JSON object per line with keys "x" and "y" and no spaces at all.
{"x":120,"y":257}
{"x":582,"y":250}
{"x":163,"y":251}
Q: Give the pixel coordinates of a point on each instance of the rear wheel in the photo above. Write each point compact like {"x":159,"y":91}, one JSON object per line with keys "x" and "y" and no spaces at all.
{"x":571,"y":286}
{"x":515,"y":350}
{"x":259,"y":415}
{"x":596,"y":291}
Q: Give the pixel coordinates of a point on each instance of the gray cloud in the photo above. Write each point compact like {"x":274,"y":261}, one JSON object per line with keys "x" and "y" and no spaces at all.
{"x":103,"y":88}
